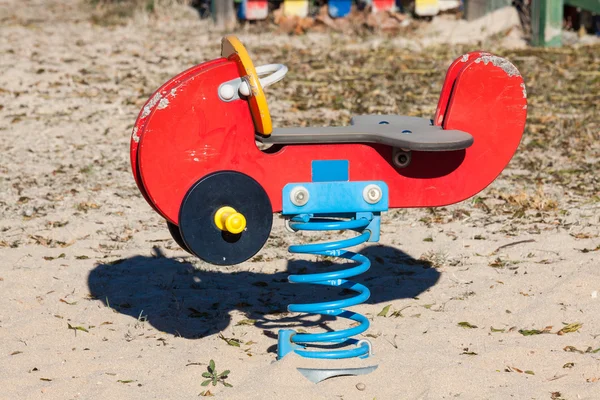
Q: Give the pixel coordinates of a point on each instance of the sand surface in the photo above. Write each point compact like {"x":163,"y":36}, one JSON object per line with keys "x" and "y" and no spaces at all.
{"x":98,"y":302}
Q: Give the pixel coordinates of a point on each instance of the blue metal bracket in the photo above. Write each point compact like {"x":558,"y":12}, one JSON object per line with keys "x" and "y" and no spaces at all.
{"x":285,"y":344}
{"x":338,"y":199}
{"x":334,"y":198}
{"x":330,"y":170}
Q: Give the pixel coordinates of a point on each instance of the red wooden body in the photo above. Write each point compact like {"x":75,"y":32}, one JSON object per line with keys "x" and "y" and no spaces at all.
{"x":185,"y":132}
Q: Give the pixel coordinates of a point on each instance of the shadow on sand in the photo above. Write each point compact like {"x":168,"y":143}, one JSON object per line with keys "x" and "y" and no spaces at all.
{"x":179,"y":299}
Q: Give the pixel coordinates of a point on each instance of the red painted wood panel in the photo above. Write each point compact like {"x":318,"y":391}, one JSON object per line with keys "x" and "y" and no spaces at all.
{"x":195,"y":133}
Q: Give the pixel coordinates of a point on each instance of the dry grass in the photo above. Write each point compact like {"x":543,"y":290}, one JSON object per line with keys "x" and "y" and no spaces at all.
{"x":119,"y":12}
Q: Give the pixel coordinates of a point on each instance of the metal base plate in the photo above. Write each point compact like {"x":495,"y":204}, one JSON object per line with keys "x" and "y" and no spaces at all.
{"x":316,"y":375}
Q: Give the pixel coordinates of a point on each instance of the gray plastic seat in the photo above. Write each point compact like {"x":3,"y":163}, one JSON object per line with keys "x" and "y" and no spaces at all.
{"x":410,"y":133}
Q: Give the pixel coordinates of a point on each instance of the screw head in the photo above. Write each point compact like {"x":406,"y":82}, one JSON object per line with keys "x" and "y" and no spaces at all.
{"x":299,"y":196}
{"x":227,"y":92}
{"x":244,"y":89}
{"x":401,"y":158}
{"x":372,"y":194}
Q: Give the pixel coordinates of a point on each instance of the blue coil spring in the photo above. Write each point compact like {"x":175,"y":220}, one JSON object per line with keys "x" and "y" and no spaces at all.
{"x":334,"y":308}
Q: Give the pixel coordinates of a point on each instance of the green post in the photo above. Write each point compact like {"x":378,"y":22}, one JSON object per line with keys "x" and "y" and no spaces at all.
{"x":546,"y":23}
{"x":590,"y":5}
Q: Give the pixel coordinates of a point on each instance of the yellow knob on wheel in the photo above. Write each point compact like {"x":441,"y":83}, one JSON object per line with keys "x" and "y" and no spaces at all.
{"x":235,"y":223}
{"x":229,"y":220}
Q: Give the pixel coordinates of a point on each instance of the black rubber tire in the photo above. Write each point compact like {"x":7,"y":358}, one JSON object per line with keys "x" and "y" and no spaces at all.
{"x":205,"y":197}
{"x":176,"y":235}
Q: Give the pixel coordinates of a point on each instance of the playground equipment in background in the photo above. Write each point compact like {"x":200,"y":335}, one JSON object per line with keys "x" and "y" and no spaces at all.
{"x":546,"y":19}
{"x":383,"y":5}
{"x":195,"y":159}
{"x":253,"y":10}
{"x":296,"y":8}
{"x":427,"y":7}
{"x":339,"y":8}
{"x":542,"y":19}
{"x":249,"y":10}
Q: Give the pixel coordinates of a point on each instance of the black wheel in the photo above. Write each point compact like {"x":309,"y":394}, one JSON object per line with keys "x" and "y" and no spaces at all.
{"x":176,"y":235}
{"x":209,"y":194}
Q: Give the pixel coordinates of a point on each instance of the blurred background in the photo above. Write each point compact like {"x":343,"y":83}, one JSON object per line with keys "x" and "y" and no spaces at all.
{"x":541,"y":20}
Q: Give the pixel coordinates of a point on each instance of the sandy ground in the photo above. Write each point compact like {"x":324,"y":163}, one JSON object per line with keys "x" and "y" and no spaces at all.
{"x":99,"y":303}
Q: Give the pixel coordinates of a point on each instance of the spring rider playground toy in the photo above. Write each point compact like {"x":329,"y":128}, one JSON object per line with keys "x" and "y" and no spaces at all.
{"x":195,"y":159}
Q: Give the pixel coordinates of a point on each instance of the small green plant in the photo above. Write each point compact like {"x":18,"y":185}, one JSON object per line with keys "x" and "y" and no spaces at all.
{"x":214,"y":377}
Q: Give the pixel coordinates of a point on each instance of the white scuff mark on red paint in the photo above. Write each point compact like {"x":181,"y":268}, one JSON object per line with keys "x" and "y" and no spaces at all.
{"x":499,"y":62}
{"x":524,"y":90}
{"x":153,"y":102}
{"x":163,"y":103}
{"x":204,"y":153}
{"x":134,"y":135}
{"x":160,"y":100}
{"x":525,"y":107}
{"x":465,"y":58}
{"x":208,"y":151}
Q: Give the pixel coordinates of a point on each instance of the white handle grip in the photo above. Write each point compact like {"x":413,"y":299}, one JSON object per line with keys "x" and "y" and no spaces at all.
{"x":277,"y":72}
